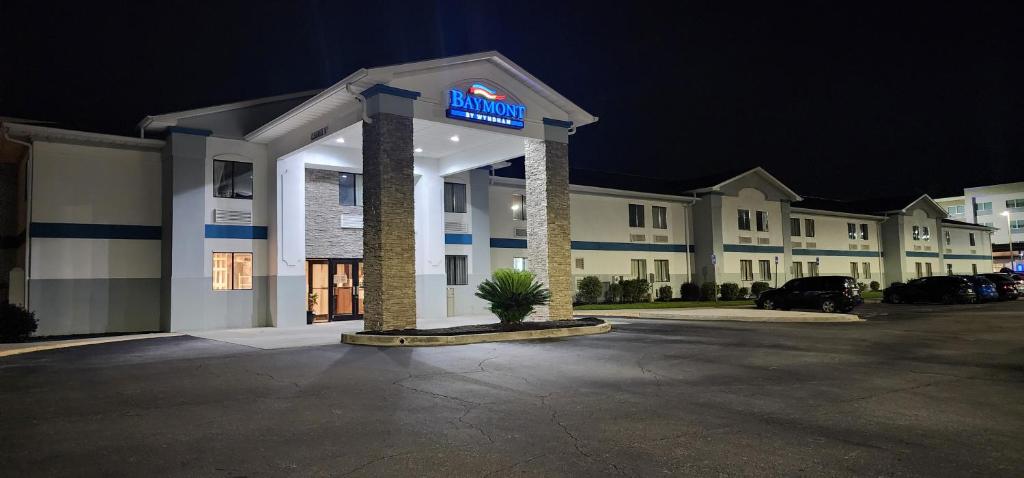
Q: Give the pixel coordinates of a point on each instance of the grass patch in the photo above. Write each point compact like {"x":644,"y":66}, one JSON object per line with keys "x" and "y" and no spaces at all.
{"x":871,"y":294}
{"x":674,"y":304}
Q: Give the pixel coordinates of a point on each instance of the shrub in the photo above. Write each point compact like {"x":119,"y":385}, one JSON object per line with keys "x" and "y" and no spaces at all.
{"x":744,"y":293}
{"x":635,"y":290}
{"x":875,"y":285}
{"x":862,"y":286}
{"x":590,"y":290}
{"x":729,"y":290}
{"x":689,"y":291}
{"x":512,"y":295}
{"x":665,"y":292}
{"x":708,"y":291}
{"x":16,"y":323}
{"x":758,"y":287}
{"x":614,"y":293}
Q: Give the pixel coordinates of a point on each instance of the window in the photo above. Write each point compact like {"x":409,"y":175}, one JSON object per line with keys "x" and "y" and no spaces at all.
{"x":232,"y":271}
{"x":947,"y":238}
{"x":864,"y":232}
{"x":809,"y":227}
{"x":974,"y":269}
{"x":762,"y":221}
{"x":658,"y":217}
{"x":915,"y":233}
{"x":867,"y":269}
{"x":765,"y":268}
{"x":1015,"y":204}
{"x":638,"y":268}
{"x":519,"y":263}
{"x":928,"y":269}
{"x":971,"y":236}
{"x":1017,"y":225}
{"x":636,"y":215}
{"x":232,"y":179}
{"x":854,"y":271}
{"x":812,"y":269}
{"x":798,"y":270}
{"x":579,"y":263}
{"x":917,"y":269}
{"x":925,"y":233}
{"x":455,"y":270}
{"x":949,"y":269}
{"x":746,"y":270}
{"x":519,"y":207}
{"x":983,"y":209}
{"x":851,"y":230}
{"x":454,"y":197}
{"x":794,"y":226}
{"x":661,"y":270}
{"x":350,"y":189}
{"x":743,"y":220}
{"x":956,"y":210}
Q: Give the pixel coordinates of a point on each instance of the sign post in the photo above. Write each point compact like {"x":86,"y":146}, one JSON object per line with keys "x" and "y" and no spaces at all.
{"x":776,"y":272}
{"x":714,"y":266}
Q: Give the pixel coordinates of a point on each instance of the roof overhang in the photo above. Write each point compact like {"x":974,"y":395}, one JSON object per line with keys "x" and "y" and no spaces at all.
{"x":759,"y":171}
{"x":597,"y":191}
{"x":160,"y":122}
{"x":824,"y":212}
{"x":57,"y":135}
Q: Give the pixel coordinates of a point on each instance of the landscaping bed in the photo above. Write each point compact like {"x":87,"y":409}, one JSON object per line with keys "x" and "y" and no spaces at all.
{"x":489,"y":328}
{"x":669,"y":304}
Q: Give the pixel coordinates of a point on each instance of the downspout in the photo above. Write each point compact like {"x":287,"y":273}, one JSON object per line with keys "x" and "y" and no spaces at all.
{"x":360,"y":98}
{"x":28,"y":209}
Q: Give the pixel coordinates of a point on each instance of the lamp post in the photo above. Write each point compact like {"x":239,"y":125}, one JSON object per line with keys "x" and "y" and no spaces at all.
{"x":1009,"y":238}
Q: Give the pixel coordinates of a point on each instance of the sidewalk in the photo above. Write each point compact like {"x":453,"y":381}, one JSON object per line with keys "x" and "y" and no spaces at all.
{"x":731,"y":314}
{"x":26,"y":347}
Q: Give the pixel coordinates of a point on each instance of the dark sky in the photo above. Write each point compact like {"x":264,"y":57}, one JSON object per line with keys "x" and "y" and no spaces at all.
{"x":852,"y":100}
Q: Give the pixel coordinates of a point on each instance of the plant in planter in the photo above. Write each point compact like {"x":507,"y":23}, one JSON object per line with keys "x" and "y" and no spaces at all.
{"x":311,"y":301}
{"x":512,"y":295}
{"x":16,"y":323}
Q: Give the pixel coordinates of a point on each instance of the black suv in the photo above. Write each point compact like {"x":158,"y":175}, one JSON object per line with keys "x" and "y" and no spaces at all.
{"x":945,"y":289}
{"x":827,"y":293}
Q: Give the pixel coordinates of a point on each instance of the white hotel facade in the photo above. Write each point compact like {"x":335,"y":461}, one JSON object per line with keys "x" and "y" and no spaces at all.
{"x":376,"y":199}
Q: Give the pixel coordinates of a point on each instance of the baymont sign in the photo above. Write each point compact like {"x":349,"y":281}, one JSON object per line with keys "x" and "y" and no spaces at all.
{"x":481,"y":104}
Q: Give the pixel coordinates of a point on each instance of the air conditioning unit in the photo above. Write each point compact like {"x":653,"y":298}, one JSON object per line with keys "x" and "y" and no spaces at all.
{"x":764,"y":240}
{"x":637,"y":237}
{"x":917,"y":248}
{"x":949,"y":251}
{"x":520,"y":232}
{"x":661,"y":239}
{"x":864,"y":247}
{"x":746,"y":240}
{"x":798,"y":245}
{"x":455,"y":226}
{"x":226,"y":216}
{"x":853,"y":247}
{"x":812,"y":245}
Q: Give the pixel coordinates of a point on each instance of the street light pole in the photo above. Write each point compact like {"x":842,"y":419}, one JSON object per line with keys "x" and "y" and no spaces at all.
{"x":1009,"y":238}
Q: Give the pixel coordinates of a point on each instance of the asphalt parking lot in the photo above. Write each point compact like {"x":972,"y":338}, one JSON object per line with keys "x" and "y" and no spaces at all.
{"x":915,"y":390}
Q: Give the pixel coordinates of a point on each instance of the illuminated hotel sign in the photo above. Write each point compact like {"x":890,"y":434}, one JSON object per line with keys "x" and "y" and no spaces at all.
{"x":481,"y":104}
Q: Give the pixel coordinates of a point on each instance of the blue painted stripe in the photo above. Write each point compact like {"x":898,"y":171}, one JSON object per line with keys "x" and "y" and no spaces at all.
{"x":66,"y":230}
{"x":222,"y":231}
{"x":752,"y":248}
{"x":381,"y":88}
{"x":967,"y":256}
{"x":834,"y":253}
{"x":503,"y":243}
{"x":458,"y":238}
{"x":192,"y":131}
{"x":559,"y":123}
{"x":922,"y":254}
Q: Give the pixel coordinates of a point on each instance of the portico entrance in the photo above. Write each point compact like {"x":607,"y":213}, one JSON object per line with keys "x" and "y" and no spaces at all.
{"x":334,"y":288}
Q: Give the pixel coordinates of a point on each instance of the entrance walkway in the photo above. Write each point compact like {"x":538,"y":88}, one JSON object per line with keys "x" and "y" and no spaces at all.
{"x":319,"y":334}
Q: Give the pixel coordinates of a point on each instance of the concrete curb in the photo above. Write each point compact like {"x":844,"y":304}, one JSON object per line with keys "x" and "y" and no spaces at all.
{"x":804,"y":317}
{"x":7,"y":350}
{"x":433,"y":341}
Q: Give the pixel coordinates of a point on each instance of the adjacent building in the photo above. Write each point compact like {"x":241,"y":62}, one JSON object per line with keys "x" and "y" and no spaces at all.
{"x":999,"y":206}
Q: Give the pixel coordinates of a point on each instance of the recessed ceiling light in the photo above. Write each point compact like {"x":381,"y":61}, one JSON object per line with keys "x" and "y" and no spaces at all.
{"x":340,"y":140}
{"x":454,"y":138}
{"x":418,"y":150}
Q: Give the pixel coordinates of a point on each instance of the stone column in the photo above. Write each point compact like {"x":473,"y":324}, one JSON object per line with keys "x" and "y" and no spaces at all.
{"x":389,"y":244}
{"x":547,"y":218}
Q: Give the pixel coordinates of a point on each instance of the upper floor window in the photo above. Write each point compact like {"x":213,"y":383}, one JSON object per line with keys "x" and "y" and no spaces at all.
{"x":864,"y":232}
{"x":947,"y":238}
{"x":1017,"y":225}
{"x":956,"y":210}
{"x":972,"y":239}
{"x":350,"y":189}
{"x":519,"y":207}
{"x":762,"y":221}
{"x":1015,"y":203}
{"x":809,"y":227}
{"x":915,"y":233}
{"x":851,"y":230}
{"x":454,"y":197}
{"x":232,"y":179}
{"x":983,"y":208}
{"x":794,"y":226}
{"x":636,"y":215}
{"x":743,"y":219}
{"x":925,"y":234}
{"x":658,"y":217}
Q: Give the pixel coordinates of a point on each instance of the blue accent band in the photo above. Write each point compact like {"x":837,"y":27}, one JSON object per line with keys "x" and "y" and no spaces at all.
{"x":967,"y":256}
{"x":503,"y":243}
{"x":922,"y":254}
{"x":381,"y":88}
{"x":192,"y":131}
{"x":753,"y":248}
{"x":221,"y":231}
{"x":458,"y":238}
{"x":834,"y":253}
{"x":94,"y":231}
{"x":559,"y":123}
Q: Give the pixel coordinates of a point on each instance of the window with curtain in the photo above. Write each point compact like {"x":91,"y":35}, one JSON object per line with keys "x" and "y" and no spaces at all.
{"x":456,"y":270}
{"x":809,"y":227}
{"x":743,"y":219}
{"x":454,"y":197}
{"x":762,"y":221}
{"x":636,"y":215}
{"x":350,"y":189}
{"x":638,"y":268}
{"x":794,"y":226}
{"x":864,"y":232}
{"x":661,"y":273}
{"x":232,"y":179}
{"x":658,"y":217}
{"x":765,"y":268}
{"x":519,"y":207}
{"x":746,"y":270}
{"x":519,"y":263}
{"x":232,"y":271}
{"x":851,"y":230}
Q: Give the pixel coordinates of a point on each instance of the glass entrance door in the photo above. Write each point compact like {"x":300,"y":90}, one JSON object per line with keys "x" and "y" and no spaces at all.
{"x":338,"y":286}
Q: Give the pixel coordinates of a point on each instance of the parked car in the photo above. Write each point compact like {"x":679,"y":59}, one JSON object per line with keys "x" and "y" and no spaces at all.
{"x":1005,"y":285}
{"x":826,"y":293}
{"x":944,"y":289}
{"x":984,"y":289}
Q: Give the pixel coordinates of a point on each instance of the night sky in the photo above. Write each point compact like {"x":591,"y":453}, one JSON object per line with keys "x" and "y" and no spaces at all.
{"x":851,"y":101}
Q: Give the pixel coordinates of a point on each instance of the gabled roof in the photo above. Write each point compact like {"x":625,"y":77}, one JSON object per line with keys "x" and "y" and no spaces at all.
{"x":884,"y":206}
{"x":345,"y":91}
{"x":967,"y":225}
{"x":600,"y":179}
{"x":161,"y":121}
{"x":716,"y":183}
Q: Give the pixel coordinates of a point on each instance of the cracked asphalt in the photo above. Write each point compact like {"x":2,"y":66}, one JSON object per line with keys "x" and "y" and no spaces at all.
{"x":914,"y":391}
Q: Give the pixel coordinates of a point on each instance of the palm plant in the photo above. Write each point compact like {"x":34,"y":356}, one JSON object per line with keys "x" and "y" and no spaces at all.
{"x":512,"y":295}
